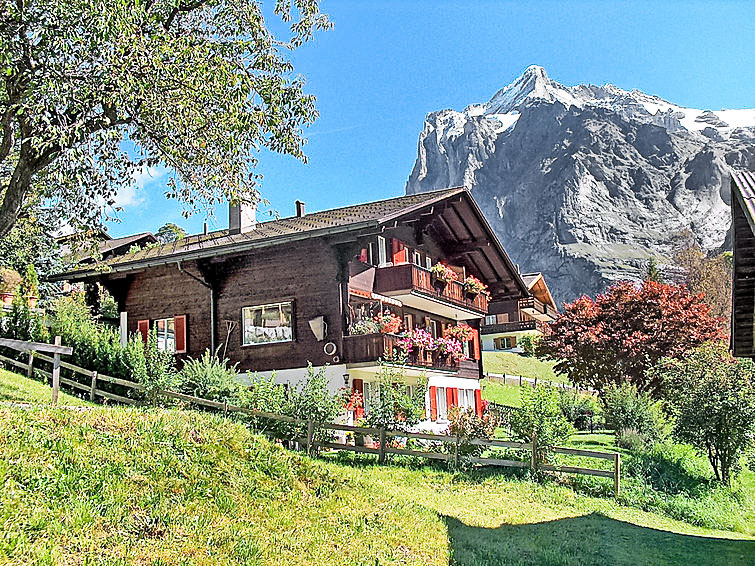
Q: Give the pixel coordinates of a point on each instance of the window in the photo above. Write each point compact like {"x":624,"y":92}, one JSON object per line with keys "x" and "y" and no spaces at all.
{"x":166,"y":334}
{"x":490,"y":319}
{"x":433,"y":329}
{"x":440,"y":402}
{"x":382,"y":255}
{"x":466,"y":398}
{"x":505,"y":343}
{"x":371,"y":253}
{"x":428,"y":262}
{"x":408,"y":322}
{"x":502,"y":318}
{"x":417,"y":258}
{"x":267,"y":324}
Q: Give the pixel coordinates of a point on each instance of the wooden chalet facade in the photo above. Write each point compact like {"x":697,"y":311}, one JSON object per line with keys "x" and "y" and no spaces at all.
{"x":275,"y":296}
{"x":509,"y":319}
{"x":743,"y":274}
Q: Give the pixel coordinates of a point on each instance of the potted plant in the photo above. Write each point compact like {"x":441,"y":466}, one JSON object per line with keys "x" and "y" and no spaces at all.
{"x":363,"y":326}
{"x":449,"y":348}
{"x":387,"y":323}
{"x":462,"y":332}
{"x":473,"y":286}
{"x":10,"y":279}
{"x":442,"y":275}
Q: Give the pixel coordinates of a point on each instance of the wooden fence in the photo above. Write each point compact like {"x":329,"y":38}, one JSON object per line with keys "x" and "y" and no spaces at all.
{"x":383,"y":442}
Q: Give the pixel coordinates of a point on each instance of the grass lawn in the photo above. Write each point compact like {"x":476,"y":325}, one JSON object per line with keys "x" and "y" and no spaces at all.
{"x":501,"y":394}
{"x":515,"y":364}
{"x":17,"y":388}
{"x":134,"y":486}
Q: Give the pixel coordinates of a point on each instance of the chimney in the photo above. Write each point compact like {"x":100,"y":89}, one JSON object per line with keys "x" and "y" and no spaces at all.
{"x":300,"y":213}
{"x":241,"y":218}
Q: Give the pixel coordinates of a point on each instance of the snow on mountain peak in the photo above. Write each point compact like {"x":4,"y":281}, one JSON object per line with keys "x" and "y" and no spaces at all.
{"x":533,"y":83}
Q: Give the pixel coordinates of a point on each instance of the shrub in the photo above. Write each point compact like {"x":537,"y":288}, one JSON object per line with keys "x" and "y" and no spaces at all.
{"x":469,"y":426}
{"x":630,"y":439}
{"x":208,"y":377}
{"x":312,"y":400}
{"x":528,"y":343}
{"x":625,"y":408}
{"x":712,"y":399}
{"x":540,"y":417}
{"x":159,"y":370}
{"x":263,"y":394}
{"x":23,"y":323}
{"x":392,"y":405}
{"x":579,"y":410}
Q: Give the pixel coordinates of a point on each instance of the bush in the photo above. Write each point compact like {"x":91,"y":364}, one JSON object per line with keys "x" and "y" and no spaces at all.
{"x":469,"y":426}
{"x":528,"y":343}
{"x":391,"y":404}
{"x":630,"y":439}
{"x":712,"y":399}
{"x":540,"y":417}
{"x":312,"y":400}
{"x":208,"y":377}
{"x":625,"y":408}
{"x":23,"y":323}
{"x":579,"y":410}
{"x":159,"y":369}
{"x":263,"y":394}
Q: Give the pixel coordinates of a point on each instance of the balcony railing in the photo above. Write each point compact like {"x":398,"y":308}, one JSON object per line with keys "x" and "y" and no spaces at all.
{"x":409,"y":277}
{"x":534,"y":304}
{"x":373,"y":347}
{"x":516,"y":326}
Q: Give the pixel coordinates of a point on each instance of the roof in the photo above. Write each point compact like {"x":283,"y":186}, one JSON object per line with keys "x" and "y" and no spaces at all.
{"x":744,"y":181}
{"x":115,"y":243}
{"x":538,"y":279}
{"x":272,"y":232}
{"x":530,"y":279}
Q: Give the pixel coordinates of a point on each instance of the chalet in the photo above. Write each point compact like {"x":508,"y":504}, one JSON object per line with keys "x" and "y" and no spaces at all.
{"x":334,"y":288}
{"x":510,"y":318}
{"x":743,"y":274}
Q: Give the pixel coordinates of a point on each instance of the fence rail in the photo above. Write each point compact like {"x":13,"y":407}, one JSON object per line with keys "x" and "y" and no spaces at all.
{"x":381,"y":447}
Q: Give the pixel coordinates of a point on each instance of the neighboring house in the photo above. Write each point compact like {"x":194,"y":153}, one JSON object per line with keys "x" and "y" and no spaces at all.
{"x":743,"y":274}
{"x":274,"y":296}
{"x":509,"y":319}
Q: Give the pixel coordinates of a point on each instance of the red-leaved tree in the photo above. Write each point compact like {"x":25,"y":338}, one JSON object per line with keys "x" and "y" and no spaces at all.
{"x":621,"y":333}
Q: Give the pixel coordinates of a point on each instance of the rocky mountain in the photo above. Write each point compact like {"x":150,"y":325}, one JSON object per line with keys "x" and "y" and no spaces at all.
{"x":586,"y":183}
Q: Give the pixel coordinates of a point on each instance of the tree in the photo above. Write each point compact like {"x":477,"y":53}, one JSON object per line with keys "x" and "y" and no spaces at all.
{"x":621,"y":333}
{"x":653,"y":273}
{"x":540,"y":418}
{"x":170,"y":233}
{"x":712,"y":399}
{"x":392,"y":405}
{"x":710,"y":275}
{"x":94,"y":92}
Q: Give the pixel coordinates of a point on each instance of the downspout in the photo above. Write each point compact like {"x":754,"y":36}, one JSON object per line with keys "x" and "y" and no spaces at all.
{"x":204,"y":283}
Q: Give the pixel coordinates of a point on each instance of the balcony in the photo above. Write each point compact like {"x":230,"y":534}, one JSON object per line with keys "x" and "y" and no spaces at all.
{"x":369,"y":348}
{"x":413,"y":286}
{"x":537,"y":309}
{"x":504,"y":327}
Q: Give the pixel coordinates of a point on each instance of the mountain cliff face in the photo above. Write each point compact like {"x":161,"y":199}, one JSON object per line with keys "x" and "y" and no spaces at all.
{"x":586,"y":183}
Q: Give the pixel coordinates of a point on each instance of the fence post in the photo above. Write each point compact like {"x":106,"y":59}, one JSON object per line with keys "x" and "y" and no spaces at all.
{"x":93,"y":386}
{"x":381,"y":452}
{"x":520,"y":381}
{"x":310,"y":436}
{"x":535,"y":382}
{"x":56,"y":373}
{"x":225,"y":408}
{"x":533,"y":456}
{"x":617,"y":474}
{"x":30,"y":365}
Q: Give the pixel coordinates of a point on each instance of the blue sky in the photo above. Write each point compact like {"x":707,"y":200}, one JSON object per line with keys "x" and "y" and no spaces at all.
{"x":385,"y":66}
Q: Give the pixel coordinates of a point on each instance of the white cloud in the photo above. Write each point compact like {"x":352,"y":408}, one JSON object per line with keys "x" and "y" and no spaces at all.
{"x":135,"y":195}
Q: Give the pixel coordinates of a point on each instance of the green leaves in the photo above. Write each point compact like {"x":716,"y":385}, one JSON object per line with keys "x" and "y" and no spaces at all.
{"x":99,"y":90}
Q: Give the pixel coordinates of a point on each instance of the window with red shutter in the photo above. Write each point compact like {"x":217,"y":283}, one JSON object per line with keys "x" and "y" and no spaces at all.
{"x":449,"y":398}
{"x":433,"y":404}
{"x":478,"y":402}
{"x":179,"y":323}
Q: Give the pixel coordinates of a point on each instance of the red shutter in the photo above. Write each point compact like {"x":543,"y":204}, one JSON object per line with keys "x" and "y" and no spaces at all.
{"x":143,"y":327}
{"x":476,"y":345}
{"x":433,"y":404}
{"x":478,"y":402}
{"x":455,"y":396}
{"x":358,"y":386}
{"x":399,"y":251}
{"x":449,"y":397}
{"x":179,"y":323}
{"x":363,"y":255}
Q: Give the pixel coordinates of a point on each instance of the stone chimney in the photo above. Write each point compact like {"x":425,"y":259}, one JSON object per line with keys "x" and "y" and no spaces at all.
{"x":241,"y":218}
{"x":300,"y":212}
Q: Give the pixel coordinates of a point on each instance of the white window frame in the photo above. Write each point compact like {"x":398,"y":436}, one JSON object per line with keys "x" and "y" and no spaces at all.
{"x":428,"y":262}
{"x":441,"y":403}
{"x":408,"y":321}
{"x":466,"y":398}
{"x":370,"y":253}
{"x":433,"y":328}
{"x":417,"y":258}
{"x":382,"y":251}
{"x":165,"y":342}
{"x":490,"y":320}
{"x":292,"y":324}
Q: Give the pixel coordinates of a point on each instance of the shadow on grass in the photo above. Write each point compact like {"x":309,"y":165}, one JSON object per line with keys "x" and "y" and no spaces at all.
{"x":589,"y":540}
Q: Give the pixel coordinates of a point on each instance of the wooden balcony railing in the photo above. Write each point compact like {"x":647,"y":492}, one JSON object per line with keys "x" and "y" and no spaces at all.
{"x":537,"y":305}
{"x":372,"y":347}
{"x":516,"y":326}
{"x":410,"y":277}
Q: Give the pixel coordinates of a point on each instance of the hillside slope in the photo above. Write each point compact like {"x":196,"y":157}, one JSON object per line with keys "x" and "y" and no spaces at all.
{"x":126,"y":486}
{"x":586,"y":183}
